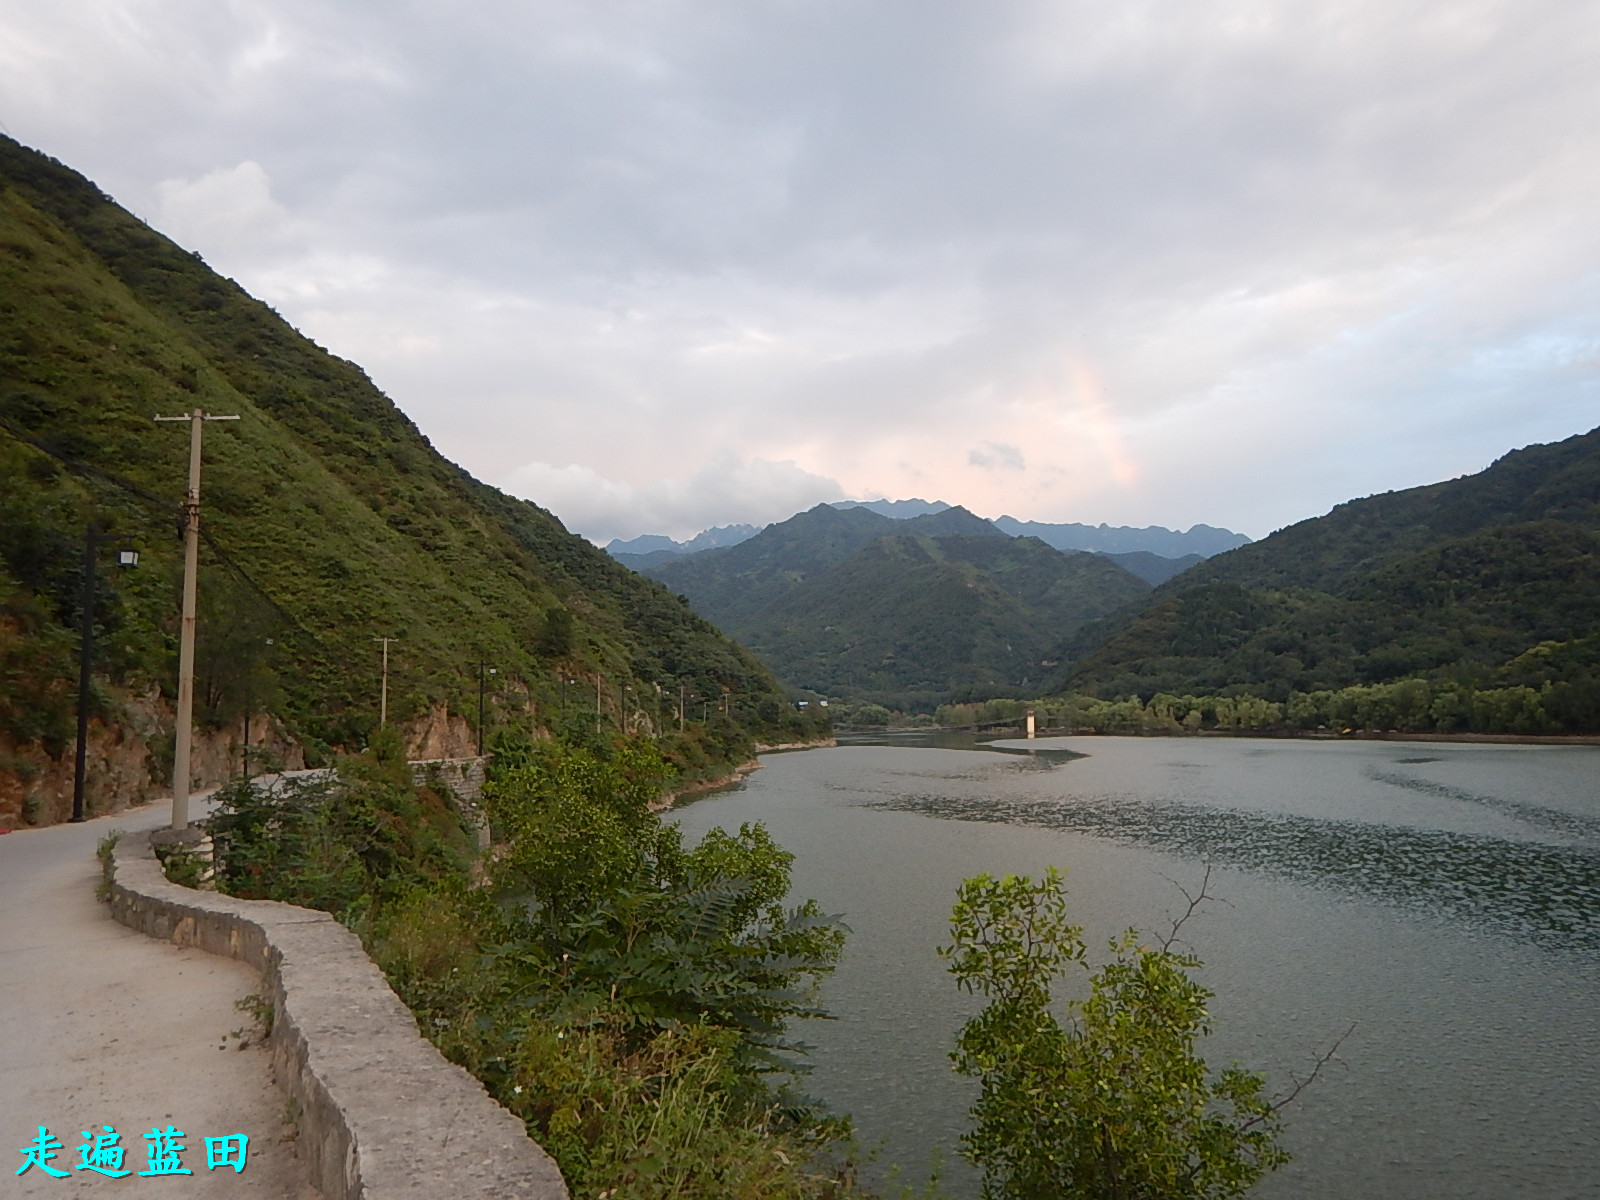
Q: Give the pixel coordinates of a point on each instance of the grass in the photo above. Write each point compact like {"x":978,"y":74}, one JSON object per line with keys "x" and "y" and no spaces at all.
{"x":105,"y":852}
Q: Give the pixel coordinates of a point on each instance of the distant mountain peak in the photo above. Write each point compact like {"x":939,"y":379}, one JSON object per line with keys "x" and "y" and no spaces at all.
{"x":952,"y":520}
{"x":899,"y":510}
{"x":1204,"y":540}
{"x":707,"y":539}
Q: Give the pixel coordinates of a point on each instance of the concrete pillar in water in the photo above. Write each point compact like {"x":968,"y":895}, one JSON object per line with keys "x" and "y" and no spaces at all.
{"x":1031,"y":732}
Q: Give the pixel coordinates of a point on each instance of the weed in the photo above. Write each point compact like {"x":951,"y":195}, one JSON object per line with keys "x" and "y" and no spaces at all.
{"x":108,"y":870}
{"x":259,"y":1009}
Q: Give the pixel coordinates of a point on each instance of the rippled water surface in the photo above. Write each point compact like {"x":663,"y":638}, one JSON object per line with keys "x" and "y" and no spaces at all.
{"x":1443,"y":899}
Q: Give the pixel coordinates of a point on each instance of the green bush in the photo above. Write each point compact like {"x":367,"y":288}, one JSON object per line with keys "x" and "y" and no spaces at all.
{"x":1115,"y":1104}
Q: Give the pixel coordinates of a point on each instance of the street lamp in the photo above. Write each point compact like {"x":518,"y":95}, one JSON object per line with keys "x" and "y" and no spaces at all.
{"x":484,"y":671}
{"x":125,"y":558}
{"x":249,"y":703}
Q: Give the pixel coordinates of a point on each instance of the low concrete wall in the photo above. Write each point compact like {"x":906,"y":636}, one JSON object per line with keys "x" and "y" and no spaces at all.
{"x":382,"y":1114}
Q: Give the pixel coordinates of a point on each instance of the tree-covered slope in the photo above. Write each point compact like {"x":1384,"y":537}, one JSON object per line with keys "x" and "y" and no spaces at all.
{"x":730,"y":585}
{"x":1450,"y":581}
{"x":851,"y":604}
{"x":331,"y":519}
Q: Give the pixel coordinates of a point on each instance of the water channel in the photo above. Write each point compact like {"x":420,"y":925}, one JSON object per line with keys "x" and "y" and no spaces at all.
{"x":1442,"y":898}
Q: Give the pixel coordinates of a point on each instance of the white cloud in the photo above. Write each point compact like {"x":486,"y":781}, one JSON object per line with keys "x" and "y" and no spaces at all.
{"x":227,"y":212}
{"x":726,"y":491}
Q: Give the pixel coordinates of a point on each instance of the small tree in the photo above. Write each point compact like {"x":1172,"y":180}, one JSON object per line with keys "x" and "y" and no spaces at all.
{"x":1115,"y":1104}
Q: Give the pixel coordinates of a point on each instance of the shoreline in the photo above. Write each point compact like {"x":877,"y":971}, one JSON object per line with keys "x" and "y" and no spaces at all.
{"x":700,"y":787}
{"x":1315,"y":735}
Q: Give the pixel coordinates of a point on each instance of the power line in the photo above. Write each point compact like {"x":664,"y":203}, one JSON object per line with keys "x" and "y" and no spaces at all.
{"x":92,"y":472}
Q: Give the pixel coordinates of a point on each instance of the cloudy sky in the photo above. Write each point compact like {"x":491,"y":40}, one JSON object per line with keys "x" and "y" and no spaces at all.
{"x":661,"y":265}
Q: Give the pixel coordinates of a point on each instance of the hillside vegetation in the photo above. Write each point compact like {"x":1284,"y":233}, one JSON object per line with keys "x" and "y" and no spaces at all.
{"x":851,"y":604}
{"x":331,"y":522}
{"x":1484,"y":582}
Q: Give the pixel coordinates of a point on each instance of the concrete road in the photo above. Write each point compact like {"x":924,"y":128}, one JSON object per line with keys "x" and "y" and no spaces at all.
{"x":100,"y":1025}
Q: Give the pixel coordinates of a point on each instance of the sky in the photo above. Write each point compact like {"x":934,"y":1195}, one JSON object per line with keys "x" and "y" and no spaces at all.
{"x":664,"y":265}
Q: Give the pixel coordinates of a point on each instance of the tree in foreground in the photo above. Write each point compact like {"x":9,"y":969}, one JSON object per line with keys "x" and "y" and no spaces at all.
{"x":1114,"y":1104}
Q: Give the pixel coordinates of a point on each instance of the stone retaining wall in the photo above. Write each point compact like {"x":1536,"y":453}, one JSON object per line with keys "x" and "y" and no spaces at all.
{"x":382,"y":1114}
{"x":463,"y":778}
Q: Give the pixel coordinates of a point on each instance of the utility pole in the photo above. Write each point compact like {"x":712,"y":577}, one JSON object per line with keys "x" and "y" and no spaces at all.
{"x":383,"y":691}
{"x":191,"y":569}
{"x":681,"y":690}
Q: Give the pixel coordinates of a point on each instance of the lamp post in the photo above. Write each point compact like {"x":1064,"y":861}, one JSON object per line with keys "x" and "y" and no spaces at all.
{"x":484,"y":671}
{"x":249,"y":703}
{"x":125,"y":558}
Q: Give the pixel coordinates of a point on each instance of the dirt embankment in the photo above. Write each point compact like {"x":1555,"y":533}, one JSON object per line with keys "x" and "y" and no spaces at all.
{"x":129,"y":763}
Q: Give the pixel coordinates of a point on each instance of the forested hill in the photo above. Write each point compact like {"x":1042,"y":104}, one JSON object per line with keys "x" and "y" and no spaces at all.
{"x":1457,"y":581}
{"x":731,"y":585}
{"x":331,"y":520}
{"x":848,"y":603}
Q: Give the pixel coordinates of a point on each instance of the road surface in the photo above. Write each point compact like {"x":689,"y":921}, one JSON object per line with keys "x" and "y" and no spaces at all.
{"x":100,"y":1026}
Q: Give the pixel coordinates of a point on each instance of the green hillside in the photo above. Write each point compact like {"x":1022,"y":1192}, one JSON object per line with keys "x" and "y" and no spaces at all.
{"x":331,"y":519}
{"x":850,"y":604}
{"x":1455,"y":582}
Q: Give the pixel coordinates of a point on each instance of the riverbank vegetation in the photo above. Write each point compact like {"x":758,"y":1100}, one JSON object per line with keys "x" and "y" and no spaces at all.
{"x":1406,"y":706}
{"x":631,"y":999}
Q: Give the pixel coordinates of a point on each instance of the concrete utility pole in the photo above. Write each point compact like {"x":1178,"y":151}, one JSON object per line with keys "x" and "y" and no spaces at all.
{"x":191,"y":569}
{"x":383,"y":692}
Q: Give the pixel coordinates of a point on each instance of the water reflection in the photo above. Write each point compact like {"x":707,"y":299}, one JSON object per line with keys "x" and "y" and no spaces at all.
{"x":1574,"y":825}
{"x":1365,"y":883}
{"x":1548,"y":894}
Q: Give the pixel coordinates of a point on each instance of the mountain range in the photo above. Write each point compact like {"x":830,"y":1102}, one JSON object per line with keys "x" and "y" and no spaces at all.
{"x":1154,"y":553}
{"x":1487,"y":581}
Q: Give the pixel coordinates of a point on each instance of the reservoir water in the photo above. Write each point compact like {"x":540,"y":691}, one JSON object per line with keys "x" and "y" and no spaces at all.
{"x":1444,"y":899}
